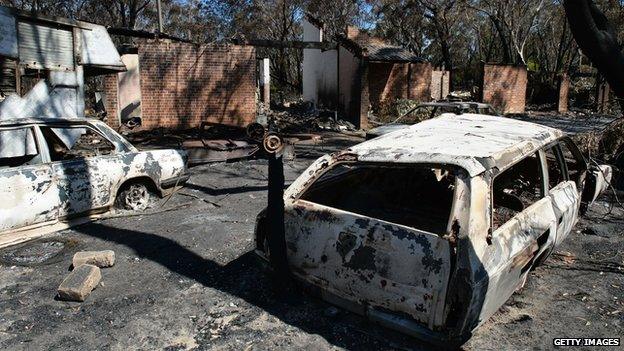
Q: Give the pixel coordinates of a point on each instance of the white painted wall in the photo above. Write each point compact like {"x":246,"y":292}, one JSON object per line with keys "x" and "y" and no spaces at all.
{"x":129,"y":88}
{"x":265,"y":81}
{"x":320,"y":69}
{"x":311,"y":58}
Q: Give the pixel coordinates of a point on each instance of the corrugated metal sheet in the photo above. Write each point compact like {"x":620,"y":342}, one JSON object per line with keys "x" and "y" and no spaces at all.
{"x":7,"y":75}
{"x":98,"y":49}
{"x":44,"y":46}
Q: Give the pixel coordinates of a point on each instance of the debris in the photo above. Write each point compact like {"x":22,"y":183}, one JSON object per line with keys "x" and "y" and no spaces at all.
{"x":331,"y":312}
{"x":79,"y":283}
{"x":100,"y":259}
{"x":302,"y":117}
{"x":150,"y":213}
{"x":215,"y":204}
{"x":567,"y":257}
{"x":35,"y":253}
{"x":204,"y":151}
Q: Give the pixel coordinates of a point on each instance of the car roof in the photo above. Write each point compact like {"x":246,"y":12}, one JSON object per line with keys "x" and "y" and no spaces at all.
{"x":474,"y":142}
{"x":45,"y":120}
{"x":440,"y":103}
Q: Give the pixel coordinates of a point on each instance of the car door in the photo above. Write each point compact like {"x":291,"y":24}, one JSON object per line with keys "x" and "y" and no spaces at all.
{"x":563,"y":191}
{"x":523,"y":221}
{"x":78,"y":155}
{"x":28,"y":189}
{"x":354,"y":233}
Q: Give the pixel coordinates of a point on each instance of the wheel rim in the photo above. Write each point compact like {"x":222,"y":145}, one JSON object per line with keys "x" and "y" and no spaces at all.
{"x":137,"y":197}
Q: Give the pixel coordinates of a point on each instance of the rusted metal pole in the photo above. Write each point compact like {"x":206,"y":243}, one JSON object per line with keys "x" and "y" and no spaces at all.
{"x":275,"y":216}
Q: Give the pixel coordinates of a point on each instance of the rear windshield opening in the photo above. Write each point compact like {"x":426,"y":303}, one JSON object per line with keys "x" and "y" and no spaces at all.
{"x":420,"y":197}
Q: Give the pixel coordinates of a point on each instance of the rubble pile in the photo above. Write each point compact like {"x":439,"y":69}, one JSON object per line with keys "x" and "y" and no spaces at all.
{"x":302,"y":117}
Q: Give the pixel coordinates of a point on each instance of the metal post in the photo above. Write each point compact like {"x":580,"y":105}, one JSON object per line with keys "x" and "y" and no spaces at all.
{"x":275,"y":214}
{"x":276,"y":234}
{"x":159,"y":9}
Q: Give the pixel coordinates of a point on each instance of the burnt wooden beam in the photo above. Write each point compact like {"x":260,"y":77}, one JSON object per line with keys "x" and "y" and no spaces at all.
{"x":286,"y":44}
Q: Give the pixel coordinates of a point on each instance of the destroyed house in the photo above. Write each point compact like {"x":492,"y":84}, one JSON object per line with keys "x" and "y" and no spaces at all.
{"x":175,"y":84}
{"x":362,"y":74}
{"x":44,"y":61}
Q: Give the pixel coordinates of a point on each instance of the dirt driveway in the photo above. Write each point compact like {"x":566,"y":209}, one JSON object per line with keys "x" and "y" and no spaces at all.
{"x":187,"y":279}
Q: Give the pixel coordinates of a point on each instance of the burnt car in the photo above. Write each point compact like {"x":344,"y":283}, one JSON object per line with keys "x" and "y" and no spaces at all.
{"x":54,"y":170}
{"x":430,"y":229}
{"x":430,"y":110}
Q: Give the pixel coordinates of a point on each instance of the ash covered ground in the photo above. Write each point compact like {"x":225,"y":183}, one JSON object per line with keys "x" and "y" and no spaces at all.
{"x":187,"y":279}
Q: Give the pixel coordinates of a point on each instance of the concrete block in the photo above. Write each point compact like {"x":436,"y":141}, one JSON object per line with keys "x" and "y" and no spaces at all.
{"x":101,"y":259}
{"x":79,"y":283}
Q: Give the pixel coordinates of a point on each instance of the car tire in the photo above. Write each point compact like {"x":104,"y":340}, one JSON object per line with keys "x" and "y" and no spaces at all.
{"x":134,"y":197}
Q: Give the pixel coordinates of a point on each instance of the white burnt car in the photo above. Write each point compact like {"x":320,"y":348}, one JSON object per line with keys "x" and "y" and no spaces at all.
{"x":56,"y":169}
{"x":430,"y":229}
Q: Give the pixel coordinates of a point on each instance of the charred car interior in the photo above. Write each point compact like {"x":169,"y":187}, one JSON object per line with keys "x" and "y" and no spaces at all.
{"x":420,"y":197}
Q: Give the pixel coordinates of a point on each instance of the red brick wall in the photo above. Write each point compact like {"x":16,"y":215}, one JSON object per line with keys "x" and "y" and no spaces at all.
{"x":391,"y":81}
{"x":110,"y":100}
{"x":440,"y":84}
{"x":504,"y":87}
{"x":184,"y":84}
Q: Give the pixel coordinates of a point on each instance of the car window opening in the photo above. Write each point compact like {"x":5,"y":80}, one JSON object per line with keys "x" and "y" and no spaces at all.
{"x":18,"y":147}
{"x":420,"y":197}
{"x":555,"y":169}
{"x":72,"y":143}
{"x":573,"y":163}
{"x":515,"y":189}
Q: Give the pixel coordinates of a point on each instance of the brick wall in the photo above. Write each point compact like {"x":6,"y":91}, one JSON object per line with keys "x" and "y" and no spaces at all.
{"x":391,"y":81}
{"x":184,"y":84}
{"x":440,"y":84}
{"x":110,"y":100}
{"x":504,"y":87}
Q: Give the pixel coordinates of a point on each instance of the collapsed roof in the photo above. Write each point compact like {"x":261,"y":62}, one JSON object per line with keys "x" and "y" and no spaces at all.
{"x":55,"y":43}
{"x":376,"y":49}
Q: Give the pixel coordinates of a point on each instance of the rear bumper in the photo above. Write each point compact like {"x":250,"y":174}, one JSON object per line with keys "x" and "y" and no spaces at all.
{"x":171,"y":182}
{"x":387,"y":319}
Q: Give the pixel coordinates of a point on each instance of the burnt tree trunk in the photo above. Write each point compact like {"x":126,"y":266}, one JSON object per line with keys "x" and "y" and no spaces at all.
{"x":597,"y":39}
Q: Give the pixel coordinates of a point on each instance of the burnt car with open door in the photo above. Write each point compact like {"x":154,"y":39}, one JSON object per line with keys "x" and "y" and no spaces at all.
{"x":430,"y":229}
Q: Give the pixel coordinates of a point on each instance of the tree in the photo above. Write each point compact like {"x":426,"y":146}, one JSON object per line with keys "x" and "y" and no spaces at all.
{"x":598,"y":41}
{"x":515,"y":23}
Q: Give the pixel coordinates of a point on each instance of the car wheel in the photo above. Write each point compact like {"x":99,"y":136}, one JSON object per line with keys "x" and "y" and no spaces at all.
{"x":135,"y":197}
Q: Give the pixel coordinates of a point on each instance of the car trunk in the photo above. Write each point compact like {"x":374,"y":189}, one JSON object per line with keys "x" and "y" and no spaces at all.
{"x":374,"y":235}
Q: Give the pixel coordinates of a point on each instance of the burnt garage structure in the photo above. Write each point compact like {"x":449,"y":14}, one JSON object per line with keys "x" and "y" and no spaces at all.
{"x":175,"y":84}
{"x":44,"y":61}
{"x":361,"y":74}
